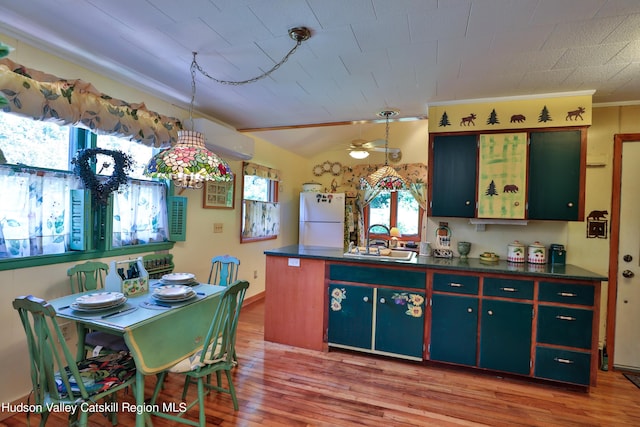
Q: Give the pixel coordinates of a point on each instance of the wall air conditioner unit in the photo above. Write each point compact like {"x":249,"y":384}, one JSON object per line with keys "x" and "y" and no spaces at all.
{"x":225,"y":141}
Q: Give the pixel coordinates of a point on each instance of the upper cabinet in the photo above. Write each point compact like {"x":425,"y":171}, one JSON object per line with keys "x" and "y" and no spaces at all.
{"x":453,"y":170}
{"x":536,"y":174}
{"x":502,"y":175}
{"x":556,"y":175}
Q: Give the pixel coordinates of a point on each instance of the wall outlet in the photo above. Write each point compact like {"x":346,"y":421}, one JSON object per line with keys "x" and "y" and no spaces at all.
{"x":217,"y":227}
{"x":255,"y":274}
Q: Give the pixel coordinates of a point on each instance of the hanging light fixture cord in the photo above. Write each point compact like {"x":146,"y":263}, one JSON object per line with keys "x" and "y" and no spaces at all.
{"x":387,"y":114}
{"x":298,"y":34}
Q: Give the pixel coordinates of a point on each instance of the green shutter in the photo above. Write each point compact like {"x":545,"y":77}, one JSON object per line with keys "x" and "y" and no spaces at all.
{"x":177,"y":218}
{"x":80,"y":219}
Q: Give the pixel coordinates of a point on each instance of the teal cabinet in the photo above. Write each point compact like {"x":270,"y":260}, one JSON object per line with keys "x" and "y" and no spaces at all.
{"x":556,"y":172}
{"x":453,"y":169}
{"x":566,"y":334}
{"x":565,"y":326}
{"x":350,"y":314}
{"x":395,"y":327}
{"x":454,"y":328}
{"x":505,"y":336}
{"x":399,"y":322}
{"x":563,"y":365}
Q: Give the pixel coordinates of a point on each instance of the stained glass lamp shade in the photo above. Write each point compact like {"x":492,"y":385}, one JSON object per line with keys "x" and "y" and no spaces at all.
{"x":386,"y":178}
{"x":188,"y":163}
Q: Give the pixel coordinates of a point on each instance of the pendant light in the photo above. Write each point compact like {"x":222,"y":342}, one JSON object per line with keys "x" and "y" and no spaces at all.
{"x":386,"y":178}
{"x":189,"y":163}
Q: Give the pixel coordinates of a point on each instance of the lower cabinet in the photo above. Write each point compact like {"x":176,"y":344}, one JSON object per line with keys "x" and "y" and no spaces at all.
{"x":565,"y":344}
{"x":454,"y":328}
{"x":377,"y":320}
{"x":505,"y":336}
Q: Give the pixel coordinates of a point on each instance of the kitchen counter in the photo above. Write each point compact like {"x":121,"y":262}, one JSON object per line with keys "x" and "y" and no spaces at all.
{"x":471,"y":264}
{"x":533,"y":321}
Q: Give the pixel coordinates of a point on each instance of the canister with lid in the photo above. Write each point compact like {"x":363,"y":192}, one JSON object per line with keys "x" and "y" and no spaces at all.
{"x":557,"y":254}
{"x":516,"y":252}
{"x":537,"y":253}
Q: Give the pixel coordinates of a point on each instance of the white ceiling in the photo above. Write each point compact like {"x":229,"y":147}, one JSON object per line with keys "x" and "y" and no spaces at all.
{"x":364,"y":56}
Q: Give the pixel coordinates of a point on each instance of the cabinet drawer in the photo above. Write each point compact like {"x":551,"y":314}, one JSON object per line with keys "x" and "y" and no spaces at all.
{"x":563,"y":365}
{"x":378,"y":276}
{"x":571,"y":327}
{"x":566,"y":293}
{"x":455,"y":283}
{"x":507,"y":288}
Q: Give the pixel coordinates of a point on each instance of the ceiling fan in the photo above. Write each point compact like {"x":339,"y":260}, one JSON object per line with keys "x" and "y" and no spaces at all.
{"x":360,"y":148}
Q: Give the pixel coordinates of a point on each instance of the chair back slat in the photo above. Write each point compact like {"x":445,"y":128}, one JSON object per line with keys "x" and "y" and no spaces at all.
{"x":224,"y":270}
{"x":48,"y":350}
{"x":88,"y":276}
{"x":224,"y":325}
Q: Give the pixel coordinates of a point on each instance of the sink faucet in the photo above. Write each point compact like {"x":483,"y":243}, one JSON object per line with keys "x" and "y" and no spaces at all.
{"x":369,"y":234}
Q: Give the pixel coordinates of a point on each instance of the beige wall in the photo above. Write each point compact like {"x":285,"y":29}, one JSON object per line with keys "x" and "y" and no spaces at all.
{"x":194,"y":254}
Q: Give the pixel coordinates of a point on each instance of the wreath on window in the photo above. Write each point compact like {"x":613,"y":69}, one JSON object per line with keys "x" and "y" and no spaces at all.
{"x":102,"y":189}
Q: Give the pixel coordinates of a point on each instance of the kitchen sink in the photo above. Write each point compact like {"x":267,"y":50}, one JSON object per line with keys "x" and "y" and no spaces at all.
{"x":393,"y":255}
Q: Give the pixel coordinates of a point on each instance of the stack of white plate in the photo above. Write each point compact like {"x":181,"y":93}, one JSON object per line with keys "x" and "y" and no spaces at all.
{"x":173,"y":293}
{"x":178,"y":279}
{"x":99,"y":301}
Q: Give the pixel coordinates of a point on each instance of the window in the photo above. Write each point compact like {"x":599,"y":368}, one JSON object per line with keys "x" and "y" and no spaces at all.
{"x":139,"y":153}
{"x":33,"y":143}
{"x":260,"y":208}
{"x":37,"y":187}
{"x":395,"y":209}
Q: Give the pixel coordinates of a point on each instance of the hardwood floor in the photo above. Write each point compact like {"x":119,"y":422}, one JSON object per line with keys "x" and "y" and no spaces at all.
{"x":278,"y":385}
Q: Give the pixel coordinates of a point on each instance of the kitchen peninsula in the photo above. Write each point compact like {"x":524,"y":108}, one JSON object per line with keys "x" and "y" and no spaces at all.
{"x":535,"y":321}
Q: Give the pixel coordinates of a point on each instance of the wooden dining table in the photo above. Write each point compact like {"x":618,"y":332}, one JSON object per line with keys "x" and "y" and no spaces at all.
{"x":158,"y":336}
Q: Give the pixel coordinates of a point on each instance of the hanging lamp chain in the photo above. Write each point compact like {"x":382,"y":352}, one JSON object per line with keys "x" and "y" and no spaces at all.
{"x":386,"y":141}
{"x":193,"y":88}
{"x":298,"y":34}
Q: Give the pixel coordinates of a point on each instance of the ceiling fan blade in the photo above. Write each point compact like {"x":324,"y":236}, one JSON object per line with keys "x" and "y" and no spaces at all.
{"x":382,"y":149}
{"x":374,"y":143}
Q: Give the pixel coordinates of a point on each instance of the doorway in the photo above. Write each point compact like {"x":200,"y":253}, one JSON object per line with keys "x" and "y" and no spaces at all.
{"x":623,"y":306}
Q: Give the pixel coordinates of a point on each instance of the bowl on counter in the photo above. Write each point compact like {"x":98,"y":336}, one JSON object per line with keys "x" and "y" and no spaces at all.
{"x":489,"y":257}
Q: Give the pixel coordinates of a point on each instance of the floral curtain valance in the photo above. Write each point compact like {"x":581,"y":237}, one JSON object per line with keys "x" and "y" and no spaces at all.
{"x":42,"y":96}
{"x":411,"y":173}
{"x":255,"y":169}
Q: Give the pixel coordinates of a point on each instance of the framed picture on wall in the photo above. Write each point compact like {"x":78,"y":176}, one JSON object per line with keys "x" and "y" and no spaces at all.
{"x":218,"y":195}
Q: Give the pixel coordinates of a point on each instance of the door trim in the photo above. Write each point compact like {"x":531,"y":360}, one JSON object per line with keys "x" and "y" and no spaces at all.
{"x":618,"y":140}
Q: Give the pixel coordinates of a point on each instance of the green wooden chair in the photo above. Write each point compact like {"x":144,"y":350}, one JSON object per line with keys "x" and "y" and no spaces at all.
{"x":56,"y":376}
{"x":90,"y":276}
{"x":216,"y":356}
{"x":224,"y":270}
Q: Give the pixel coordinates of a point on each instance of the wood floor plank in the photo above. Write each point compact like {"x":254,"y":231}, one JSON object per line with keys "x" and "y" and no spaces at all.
{"x":281,"y":386}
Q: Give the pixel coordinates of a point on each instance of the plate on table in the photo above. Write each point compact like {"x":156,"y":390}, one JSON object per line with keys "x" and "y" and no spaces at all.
{"x":173,"y":299}
{"x":173,"y":292}
{"x":78,"y":307}
{"x":189,"y":282}
{"x":100,"y":299}
{"x":178,"y":277}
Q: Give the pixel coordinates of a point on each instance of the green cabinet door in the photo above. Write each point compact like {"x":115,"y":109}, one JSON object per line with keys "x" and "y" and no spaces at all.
{"x":554,"y":175}
{"x":350,"y":316}
{"x":453,"y":181}
{"x":505,"y":336}
{"x":454,"y":328}
{"x":399,"y":322}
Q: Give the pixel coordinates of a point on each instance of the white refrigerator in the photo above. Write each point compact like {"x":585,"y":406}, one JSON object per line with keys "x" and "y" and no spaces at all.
{"x":322,"y":219}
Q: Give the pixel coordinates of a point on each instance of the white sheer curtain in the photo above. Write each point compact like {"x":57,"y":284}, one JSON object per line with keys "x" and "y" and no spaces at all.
{"x":34,"y":215}
{"x":140,"y":214}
